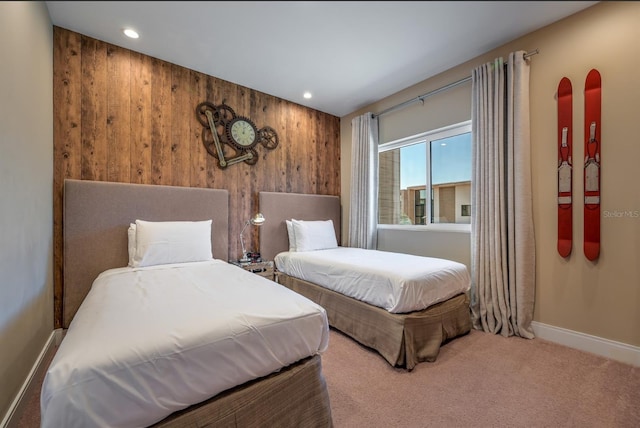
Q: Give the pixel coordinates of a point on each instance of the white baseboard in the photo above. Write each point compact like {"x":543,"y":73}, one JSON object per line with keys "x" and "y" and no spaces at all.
{"x":618,"y":351}
{"x":15,"y":410}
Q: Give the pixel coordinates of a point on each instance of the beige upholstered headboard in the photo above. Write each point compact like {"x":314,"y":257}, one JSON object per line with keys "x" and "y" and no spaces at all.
{"x":96,"y":218}
{"x":278,"y":207}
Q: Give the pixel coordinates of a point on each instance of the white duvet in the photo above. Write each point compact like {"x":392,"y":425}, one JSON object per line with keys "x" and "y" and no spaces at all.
{"x":149,"y":341}
{"x":396,"y":282}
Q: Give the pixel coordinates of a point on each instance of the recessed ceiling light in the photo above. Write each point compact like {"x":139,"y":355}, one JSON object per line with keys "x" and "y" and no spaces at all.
{"x":130,"y":33}
{"x":307,"y":95}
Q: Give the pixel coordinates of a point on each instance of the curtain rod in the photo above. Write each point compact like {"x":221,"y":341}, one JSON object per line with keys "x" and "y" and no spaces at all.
{"x":436,"y":91}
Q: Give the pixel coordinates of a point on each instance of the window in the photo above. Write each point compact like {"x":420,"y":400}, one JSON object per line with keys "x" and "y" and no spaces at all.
{"x":426,"y":179}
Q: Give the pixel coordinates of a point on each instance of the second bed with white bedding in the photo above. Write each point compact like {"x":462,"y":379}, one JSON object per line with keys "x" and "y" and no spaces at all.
{"x":396,"y":282}
{"x":149,"y":341}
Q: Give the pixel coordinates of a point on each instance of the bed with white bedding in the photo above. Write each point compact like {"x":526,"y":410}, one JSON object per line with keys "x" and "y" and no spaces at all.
{"x":403,"y":306}
{"x":149,"y":341}
{"x":398,"y":283}
{"x":167,"y":337}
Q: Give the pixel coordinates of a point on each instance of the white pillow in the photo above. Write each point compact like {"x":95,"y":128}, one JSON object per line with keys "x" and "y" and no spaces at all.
{"x":131,"y":241}
{"x":314,"y":235}
{"x":292,"y":236}
{"x":166,"y":242}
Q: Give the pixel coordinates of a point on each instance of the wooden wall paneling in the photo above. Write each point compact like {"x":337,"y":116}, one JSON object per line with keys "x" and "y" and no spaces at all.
{"x":315,"y":152}
{"x":123,"y":116}
{"x":323,"y":155}
{"x":213,"y":171}
{"x":118,"y":94}
{"x":279,"y":124}
{"x":259,"y":173}
{"x":67,"y":158}
{"x":180,"y":126}
{"x":160,"y":132}
{"x":68,"y":95}
{"x":230,"y":177}
{"x":307,"y":130}
{"x":312,"y":150}
{"x":198,"y":152}
{"x":291,"y":163}
{"x":329,"y":162}
{"x":302,"y":156}
{"x":141,"y":113}
{"x":244,"y":208}
{"x":274,"y":110}
{"x":306,"y":135}
{"x":335,"y":150}
{"x":299,"y":156}
{"x":280,"y":155}
{"x":250,"y":171}
{"x":268,"y":158}
{"x":94,"y":110}
{"x":336,"y":155}
{"x":256,"y":174}
{"x":330,"y":128}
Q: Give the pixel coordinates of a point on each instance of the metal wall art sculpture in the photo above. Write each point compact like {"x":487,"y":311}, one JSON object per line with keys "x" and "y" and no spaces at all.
{"x":230,"y":138}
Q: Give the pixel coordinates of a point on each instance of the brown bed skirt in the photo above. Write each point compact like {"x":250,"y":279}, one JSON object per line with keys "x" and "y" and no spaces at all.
{"x":403,"y":340}
{"x":296,"y":396}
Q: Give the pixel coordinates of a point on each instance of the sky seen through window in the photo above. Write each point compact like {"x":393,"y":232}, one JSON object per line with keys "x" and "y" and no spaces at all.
{"x":450,"y":161}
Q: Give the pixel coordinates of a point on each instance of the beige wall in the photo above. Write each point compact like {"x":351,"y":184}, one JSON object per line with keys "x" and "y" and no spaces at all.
{"x":599,"y":298}
{"x":26,"y":191}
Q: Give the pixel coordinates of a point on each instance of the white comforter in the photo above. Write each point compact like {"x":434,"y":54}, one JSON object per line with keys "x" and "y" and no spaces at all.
{"x":396,"y":282}
{"x":149,"y":341}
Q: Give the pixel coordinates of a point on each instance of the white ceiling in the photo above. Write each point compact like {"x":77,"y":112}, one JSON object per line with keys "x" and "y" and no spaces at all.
{"x":348,"y":54}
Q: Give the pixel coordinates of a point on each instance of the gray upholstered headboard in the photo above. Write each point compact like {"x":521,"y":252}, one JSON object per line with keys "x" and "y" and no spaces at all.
{"x":96,"y":217}
{"x":278,"y":207}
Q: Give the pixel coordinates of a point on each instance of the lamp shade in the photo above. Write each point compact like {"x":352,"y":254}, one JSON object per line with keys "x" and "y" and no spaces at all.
{"x":258,"y":219}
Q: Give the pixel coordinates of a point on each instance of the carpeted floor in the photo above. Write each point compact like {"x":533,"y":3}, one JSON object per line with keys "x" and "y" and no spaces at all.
{"x":479,"y":380}
{"x":482,"y":380}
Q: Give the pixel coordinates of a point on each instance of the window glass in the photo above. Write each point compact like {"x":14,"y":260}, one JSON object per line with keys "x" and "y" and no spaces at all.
{"x":426,"y":179}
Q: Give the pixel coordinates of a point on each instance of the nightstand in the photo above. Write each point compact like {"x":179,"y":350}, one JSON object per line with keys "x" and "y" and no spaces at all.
{"x":264,"y":269}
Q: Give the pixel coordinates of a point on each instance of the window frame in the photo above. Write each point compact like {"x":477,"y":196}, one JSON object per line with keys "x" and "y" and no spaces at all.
{"x":428,"y":137}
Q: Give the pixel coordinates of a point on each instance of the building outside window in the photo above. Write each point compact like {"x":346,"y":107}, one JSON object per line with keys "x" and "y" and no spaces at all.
{"x":426,"y":179}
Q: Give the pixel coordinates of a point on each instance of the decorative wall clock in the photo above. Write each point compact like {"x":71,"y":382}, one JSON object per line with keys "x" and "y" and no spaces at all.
{"x":225,"y":132}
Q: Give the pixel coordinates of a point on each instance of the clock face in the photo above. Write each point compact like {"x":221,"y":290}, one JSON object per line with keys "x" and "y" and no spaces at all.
{"x":242,"y":132}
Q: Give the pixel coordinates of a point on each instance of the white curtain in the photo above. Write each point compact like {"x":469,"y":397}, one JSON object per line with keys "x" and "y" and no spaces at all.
{"x":363,"y":214}
{"x":502,"y":234}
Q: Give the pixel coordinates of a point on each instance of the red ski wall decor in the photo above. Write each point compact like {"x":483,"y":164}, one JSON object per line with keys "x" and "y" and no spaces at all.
{"x":565,"y":167}
{"x":592,"y":164}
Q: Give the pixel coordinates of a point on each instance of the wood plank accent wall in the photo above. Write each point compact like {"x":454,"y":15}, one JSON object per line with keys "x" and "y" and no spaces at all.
{"x":122,"y":116}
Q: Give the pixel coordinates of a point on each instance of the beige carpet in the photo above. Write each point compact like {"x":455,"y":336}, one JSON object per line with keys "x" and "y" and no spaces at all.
{"x":479,"y":380}
{"x":482,"y":380}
